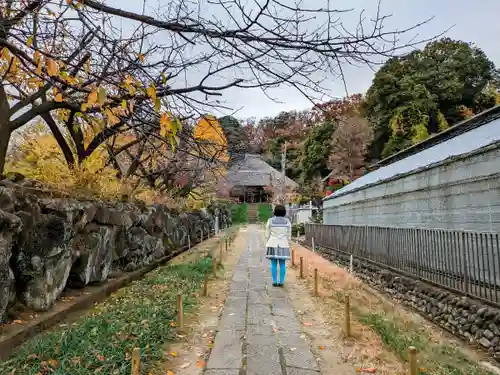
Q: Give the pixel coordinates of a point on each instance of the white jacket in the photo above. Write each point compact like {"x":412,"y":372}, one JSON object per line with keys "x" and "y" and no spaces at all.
{"x":278,"y":232}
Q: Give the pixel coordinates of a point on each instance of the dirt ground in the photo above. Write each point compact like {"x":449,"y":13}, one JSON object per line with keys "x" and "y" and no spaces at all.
{"x":188,"y":355}
{"x":364,"y":350}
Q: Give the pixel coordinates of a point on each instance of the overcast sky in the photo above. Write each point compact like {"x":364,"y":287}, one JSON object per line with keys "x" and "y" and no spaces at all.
{"x":477,"y":23}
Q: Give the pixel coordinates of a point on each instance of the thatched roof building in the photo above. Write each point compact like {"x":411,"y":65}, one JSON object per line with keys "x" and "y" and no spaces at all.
{"x":249,"y":175}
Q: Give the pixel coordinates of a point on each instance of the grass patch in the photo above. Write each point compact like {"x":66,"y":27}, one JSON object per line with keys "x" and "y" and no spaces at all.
{"x":141,"y":315}
{"x":439,"y":359}
{"x":265,"y":212}
{"x":239,"y":213}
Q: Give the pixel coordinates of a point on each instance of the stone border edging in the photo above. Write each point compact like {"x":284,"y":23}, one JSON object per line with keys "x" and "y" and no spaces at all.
{"x":51,"y":318}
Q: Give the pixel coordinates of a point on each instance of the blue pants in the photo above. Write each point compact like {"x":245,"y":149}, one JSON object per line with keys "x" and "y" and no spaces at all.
{"x":274,"y":270}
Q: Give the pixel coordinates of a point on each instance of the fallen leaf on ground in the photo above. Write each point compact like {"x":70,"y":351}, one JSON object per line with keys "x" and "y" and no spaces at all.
{"x":370,"y":370}
{"x":185,"y":365}
{"x":308,"y":324}
{"x":200,"y":364}
{"x":170,"y":372}
{"x":17,"y":321}
{"x":321,"y":347}
{"x":173,"y":354}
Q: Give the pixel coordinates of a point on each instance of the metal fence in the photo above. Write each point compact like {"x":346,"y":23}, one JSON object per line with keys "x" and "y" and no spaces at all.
{"x":464,"y":261}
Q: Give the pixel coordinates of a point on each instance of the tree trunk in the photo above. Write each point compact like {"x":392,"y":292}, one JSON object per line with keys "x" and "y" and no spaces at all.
{"x":5,"y":129}
{"x":4,"y":144}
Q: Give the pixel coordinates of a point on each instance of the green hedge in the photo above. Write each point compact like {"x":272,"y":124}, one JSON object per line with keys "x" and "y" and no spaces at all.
{"x":300,"y":228}
{"x":265,"y":212}
{"x":239,"y":213}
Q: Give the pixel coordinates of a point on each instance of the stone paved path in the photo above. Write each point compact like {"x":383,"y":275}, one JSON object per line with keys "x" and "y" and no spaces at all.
{"x":258,"y":333}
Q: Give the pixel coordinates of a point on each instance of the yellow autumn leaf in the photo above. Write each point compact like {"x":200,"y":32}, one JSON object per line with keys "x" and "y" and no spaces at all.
{"x":39,"y":68}
{"x":92,"y":99}
{"x":140,"y":56}
{"x":163,"y":78}
{"x":36,"y":56}
{"x":112,"y":118}
{"x":151,"y":90}
{"x":69,"y":2}
{"x":84,"y":107}
{"x":13,"y":65}
{"x":102,"y":96}
{"x":165,"y":125}
{"x":124,"y":104}
{"x":131,"y":107}
{"x":157,"y":104}
{"x":52,"y":68}
{"x":131,"y":90}
{"x":58,"y":98}
{"x":29,"y":41}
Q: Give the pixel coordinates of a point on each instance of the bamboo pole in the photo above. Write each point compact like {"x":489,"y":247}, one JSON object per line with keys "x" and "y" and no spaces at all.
{"x":180,"y":312}
{"x":136,"y":361}
{"x":301,"y":267}
{"x":347,"y":316}
{"x":316,"y":292}
{"x":412,"y":360}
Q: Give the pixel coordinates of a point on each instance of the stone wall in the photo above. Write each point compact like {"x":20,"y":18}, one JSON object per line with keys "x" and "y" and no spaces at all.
{"x":468,"y":319}
{"x":48,"y":242}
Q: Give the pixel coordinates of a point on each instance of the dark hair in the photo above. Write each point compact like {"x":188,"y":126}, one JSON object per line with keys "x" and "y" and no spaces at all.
{"x":279,"y":210}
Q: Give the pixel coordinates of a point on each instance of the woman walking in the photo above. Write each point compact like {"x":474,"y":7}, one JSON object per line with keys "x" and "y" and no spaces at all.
{"x":278,"y":232}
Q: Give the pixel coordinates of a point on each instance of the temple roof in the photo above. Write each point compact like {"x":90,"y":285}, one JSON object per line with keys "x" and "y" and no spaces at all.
{"x":252,"y":170}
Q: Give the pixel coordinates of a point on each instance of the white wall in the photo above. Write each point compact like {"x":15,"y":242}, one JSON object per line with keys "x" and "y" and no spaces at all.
{"x":461,"y":194}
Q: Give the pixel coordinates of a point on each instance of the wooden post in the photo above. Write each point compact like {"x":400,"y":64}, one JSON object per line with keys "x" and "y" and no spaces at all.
{"x":316,"y":293}
{"x":347,"y":316}
{"x":226,"y":244}
{"x":412,"y":360}
{"x":293,"y":258}
{"x":313,"y":245}
{"x":221,"y":253}
{"x":205,"y":285}
{"x":136,"y":361}
{"x":301,"y":267}
{"x":351,"y":264}
{"x":180,"y":312}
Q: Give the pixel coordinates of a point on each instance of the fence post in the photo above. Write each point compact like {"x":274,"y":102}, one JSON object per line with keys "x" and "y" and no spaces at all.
{"x":293,"y":257}
{"x":466,"y":263}
{"x":189,"y":241}
{"x":316,"y":293}
{"x":312,"y":244}
{"x":180,"y":312}
{"x":412,"y":360}
{"x":301,"y":267}
{"x":351,"y":264}
{"x":136,"y":361}
{"x":347,"y":316}
{"x":205,"y":285}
